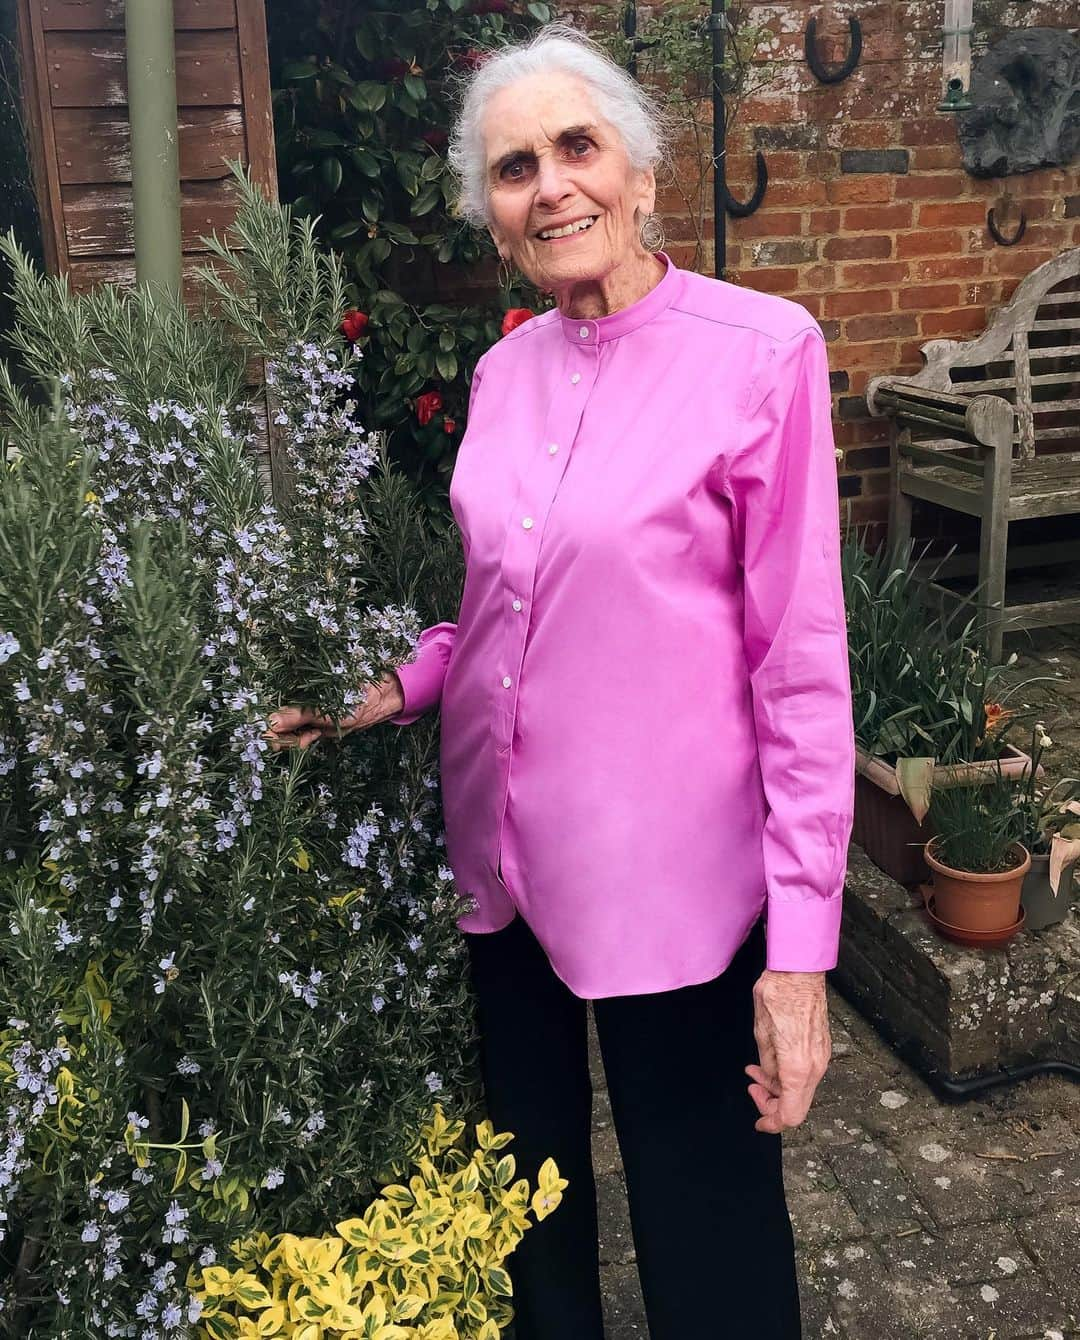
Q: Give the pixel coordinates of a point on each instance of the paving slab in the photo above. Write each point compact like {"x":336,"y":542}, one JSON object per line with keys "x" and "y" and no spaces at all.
{"x":876,"y":1185}
{"x":1051,"y":1240}
{"x":973,"y":1254}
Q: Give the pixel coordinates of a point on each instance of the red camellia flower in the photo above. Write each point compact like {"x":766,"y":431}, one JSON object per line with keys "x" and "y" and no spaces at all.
{"x":515,"y":317}
{"x":435,"y":137}
{"x":392,"y":68}
{"x":470,"y":59}
{"x":448,"y":424}
{"x":428,"y":405}
{"x":353,"y":324}
{"x":489,"y":7}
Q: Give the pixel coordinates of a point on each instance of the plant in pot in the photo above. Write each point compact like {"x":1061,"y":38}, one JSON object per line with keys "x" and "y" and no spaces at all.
{"x":922,"y":691}
{"x":977,"y":860}
{"x":1051,"y":833}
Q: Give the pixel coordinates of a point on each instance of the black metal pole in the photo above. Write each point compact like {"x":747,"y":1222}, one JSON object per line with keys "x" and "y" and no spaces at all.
{"x":630,"y":33}
{"x":718,"y":28}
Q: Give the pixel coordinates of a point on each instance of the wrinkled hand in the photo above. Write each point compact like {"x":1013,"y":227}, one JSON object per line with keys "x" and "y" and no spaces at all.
{"x":791,"y":1029}
{"x":299,"y":727}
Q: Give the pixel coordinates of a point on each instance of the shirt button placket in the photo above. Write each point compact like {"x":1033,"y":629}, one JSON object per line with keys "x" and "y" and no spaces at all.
{"x":525,"y":576}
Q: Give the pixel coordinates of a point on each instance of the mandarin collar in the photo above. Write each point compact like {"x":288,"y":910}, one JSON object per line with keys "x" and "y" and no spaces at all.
{"x":581,"y":330}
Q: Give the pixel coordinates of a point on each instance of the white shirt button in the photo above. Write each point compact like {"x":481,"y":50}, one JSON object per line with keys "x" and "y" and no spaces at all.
{"x":584,"y":332}
{"x":526,"y":521}
{"x":517,"y":604}
{"x":576,"y":378}
{"x":553,"y":448}
{"x":506,"y":681}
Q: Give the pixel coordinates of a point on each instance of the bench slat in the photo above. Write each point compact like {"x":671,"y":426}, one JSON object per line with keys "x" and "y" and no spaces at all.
{"x":998,"y":384}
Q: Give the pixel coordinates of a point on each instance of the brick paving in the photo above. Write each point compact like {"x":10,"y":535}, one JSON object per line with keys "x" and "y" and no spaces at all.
{"x":915,"y":1217}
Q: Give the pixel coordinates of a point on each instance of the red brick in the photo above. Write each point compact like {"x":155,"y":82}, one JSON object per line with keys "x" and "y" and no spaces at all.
{"x":949,"y":267}
{"x":873,"y":275}
{"x":774,"y":111}
{"x":924,"y":296}
{"x":880,"y":356}
{"x":857,"y":248}
{"x":681,"y":227}
{"x":766,"y":223}
{"x":861,"y":188}
{"x":960,"y":322}
{"x":811,"y":301}
{"x":935,"y":157}
{"x":846,"y":302}
{"x":804,"y":192}
{"x":849,"y":134}
{"x":824,"y":221}
{"x":877,"y":218}
{"x":940,"y":129}
{"x":890,"y":326}
{"x":821,"y":163}
{"x":817,"y":277}
{"x":774,"y":280}
{"x":1017,"y":261}
{"x":953,"y":214}
{"x":911,"y":359}
{"x":935,"y":186}
{"x":929,"y":243}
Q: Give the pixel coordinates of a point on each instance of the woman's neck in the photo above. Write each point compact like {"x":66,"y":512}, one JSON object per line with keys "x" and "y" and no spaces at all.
{"x":626,"y":284}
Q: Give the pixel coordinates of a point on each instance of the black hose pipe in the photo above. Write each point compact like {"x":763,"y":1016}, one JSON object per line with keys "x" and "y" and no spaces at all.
{"x":947,"y":1086}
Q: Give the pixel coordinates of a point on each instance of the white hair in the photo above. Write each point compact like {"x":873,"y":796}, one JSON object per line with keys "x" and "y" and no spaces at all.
{"x":645,"y":129}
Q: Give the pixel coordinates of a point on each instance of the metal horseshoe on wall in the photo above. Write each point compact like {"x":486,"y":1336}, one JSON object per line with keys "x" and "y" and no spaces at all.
{"x":737,"y":208}
{"x":821,"y":72}
{"x":998,"y":236}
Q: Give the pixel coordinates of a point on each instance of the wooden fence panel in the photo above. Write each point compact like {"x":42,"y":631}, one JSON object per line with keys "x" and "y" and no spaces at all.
{"x":93,"y":144}
{"x":75,"y":76}
{"x":88,"y":15}
{"x":89,"y":69}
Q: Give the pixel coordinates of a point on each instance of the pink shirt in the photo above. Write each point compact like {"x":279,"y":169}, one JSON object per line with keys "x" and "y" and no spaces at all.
{"x":645,"y":703}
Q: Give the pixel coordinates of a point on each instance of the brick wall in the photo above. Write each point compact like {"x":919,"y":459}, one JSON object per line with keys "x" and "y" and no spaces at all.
{"x":870,"y":220}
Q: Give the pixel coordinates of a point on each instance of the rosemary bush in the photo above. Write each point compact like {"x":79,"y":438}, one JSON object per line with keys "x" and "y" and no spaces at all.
{"x":232,"y":987}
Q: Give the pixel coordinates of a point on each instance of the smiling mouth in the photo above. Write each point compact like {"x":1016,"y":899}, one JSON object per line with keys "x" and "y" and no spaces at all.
{"x":581,"y":226}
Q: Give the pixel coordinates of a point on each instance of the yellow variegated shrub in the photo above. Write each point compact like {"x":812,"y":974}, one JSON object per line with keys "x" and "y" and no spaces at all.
{"x":425,"y":1260}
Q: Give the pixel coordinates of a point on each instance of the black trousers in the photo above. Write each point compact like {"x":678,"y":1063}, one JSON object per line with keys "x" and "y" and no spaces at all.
{"x":713,"y":1240}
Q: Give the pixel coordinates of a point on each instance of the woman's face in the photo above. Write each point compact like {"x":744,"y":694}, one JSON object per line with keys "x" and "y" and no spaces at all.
{"x":552,"y":160}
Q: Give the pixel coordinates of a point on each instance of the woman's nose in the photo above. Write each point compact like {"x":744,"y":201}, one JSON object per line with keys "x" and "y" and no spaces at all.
{"x":551,"y":182}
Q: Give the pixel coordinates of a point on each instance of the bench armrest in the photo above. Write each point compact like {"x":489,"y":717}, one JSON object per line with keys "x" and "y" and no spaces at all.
{"x":986,"y":420}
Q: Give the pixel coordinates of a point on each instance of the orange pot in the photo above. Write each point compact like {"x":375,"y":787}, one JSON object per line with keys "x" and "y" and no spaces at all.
{"x":978,"y":901}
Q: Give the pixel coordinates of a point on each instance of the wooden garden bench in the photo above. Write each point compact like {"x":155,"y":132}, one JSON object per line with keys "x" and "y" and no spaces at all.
{"x":991,"y":427}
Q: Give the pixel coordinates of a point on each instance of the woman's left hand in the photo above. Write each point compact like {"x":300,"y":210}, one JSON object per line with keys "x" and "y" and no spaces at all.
{"x":791,"y":1029}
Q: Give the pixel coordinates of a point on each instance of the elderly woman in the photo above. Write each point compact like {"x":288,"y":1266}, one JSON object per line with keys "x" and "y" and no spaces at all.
{"x":646,"y":730}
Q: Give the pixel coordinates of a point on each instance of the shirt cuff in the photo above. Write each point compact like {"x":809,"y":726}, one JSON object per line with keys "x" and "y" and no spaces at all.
{"x":421,"y":686}
{"x":803,"y":935}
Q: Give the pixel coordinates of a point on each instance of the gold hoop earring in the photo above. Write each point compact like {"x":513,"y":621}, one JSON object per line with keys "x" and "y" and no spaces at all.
{"x":651,"y":232}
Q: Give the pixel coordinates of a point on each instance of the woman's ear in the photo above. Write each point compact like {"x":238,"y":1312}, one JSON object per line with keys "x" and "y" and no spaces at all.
{"x":499,"y":239}
{"x":647,"y":193}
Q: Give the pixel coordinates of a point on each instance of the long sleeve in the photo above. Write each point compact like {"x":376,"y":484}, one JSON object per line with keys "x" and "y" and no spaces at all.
{"x":781,"y":482}
{"x":422,"y":677}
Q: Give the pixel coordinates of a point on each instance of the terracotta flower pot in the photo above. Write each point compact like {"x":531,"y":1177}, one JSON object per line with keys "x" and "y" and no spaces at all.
{"x":976,"y":901}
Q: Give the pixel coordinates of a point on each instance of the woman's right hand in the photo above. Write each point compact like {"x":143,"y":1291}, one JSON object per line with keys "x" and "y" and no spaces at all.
{"x":298,"y":727}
